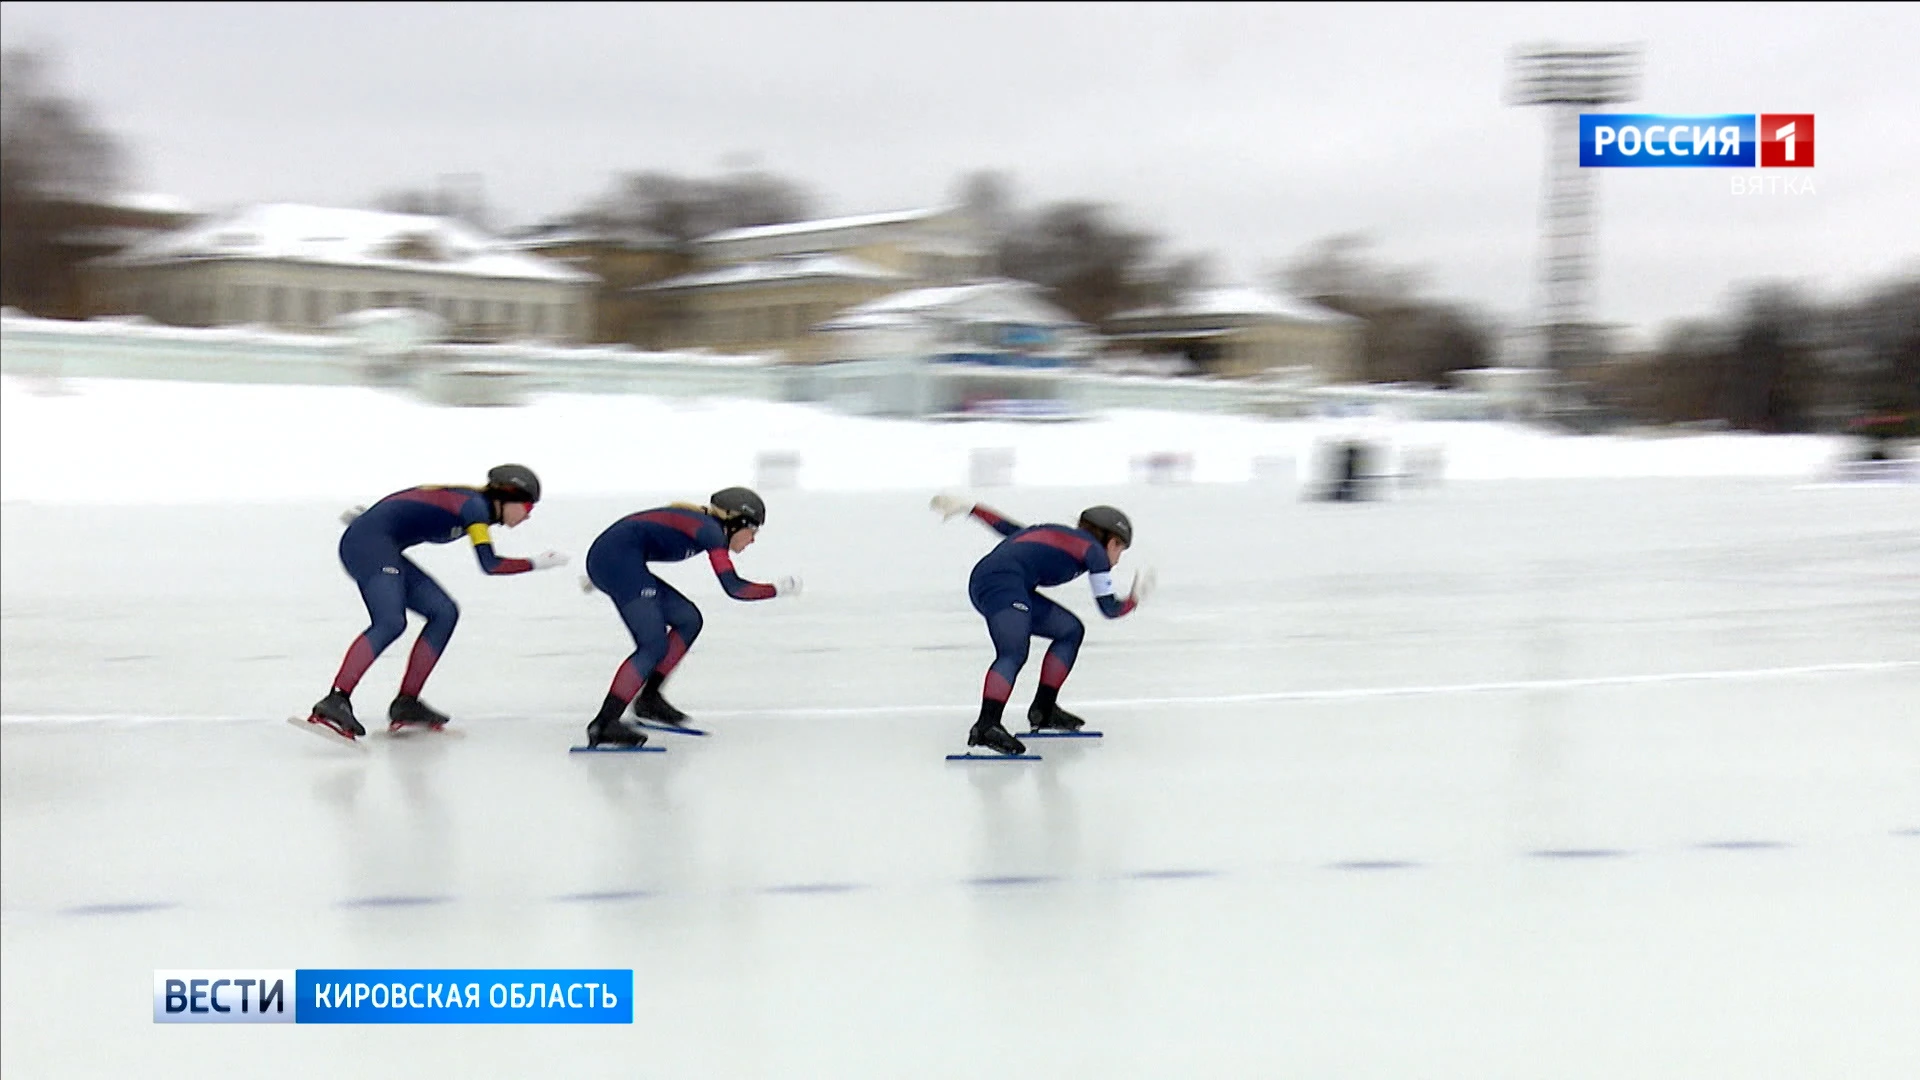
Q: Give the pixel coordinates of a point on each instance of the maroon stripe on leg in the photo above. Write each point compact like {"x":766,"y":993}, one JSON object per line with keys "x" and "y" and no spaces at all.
{"x":359,"y":658}
{"x":997,"y":688}
{"x":420,"y":664}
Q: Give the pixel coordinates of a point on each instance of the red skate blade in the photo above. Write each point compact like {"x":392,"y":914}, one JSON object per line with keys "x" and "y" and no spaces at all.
{"x":324,"y":732}
{"x":408,"y":731}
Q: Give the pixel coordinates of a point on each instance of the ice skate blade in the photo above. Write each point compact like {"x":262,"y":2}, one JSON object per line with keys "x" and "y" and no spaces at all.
{"x":325,"y":732}
{"x":1048,"y":733}
{"x":655,"y":725}
{"x":992,"y":755}
{"x":609,"y":748}
{"x":408,"y":731}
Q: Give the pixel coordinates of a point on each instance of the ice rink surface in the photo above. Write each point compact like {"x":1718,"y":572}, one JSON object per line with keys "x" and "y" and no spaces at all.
{"x":1605,"y":778}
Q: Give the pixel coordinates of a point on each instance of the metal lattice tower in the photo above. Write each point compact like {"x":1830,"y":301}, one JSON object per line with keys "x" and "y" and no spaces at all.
{"x":1568,"y":81}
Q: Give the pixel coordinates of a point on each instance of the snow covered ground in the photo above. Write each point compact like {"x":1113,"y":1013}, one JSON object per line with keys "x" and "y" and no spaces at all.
{"x":1598,"y":759}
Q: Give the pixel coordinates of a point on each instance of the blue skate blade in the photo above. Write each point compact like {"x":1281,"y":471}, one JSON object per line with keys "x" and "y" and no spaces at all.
{"x":993,"y":757}
{"x":1061,"y":735}
{"x":651,"y":726}
{"x":616,"y":749}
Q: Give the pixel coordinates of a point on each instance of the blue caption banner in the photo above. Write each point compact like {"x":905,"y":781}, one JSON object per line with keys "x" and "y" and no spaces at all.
{"x":1653,"y":141}
{"x":463,"y":996}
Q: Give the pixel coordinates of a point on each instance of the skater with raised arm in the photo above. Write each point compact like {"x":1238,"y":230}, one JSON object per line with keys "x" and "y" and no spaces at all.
{"x":664,"y":623}
{"x":372,"y":551}
{"x":1003,"y":589}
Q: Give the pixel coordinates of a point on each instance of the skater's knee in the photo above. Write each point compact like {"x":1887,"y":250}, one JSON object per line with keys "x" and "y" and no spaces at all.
{"x":689,"y":624}
{"x":444,"y":613}
{"x":385,"y":631}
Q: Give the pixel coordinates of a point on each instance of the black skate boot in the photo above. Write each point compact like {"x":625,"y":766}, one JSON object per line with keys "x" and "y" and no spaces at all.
{"x":1052,"y":718}
{"x":609,"y":731}
{"x":336,"y":711}
{"x":990,"y":734}
{"x":649,"y":705}
{"x":1045,"y":714}
{"x":409,"y":712}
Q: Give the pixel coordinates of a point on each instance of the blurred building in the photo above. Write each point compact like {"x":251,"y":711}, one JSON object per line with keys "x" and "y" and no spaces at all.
{"x":765,"y":289}
{"x":989,"y":347}
{"x":1240,"y":332}
{"x":303,"y":267}
{"x":623,"y":259}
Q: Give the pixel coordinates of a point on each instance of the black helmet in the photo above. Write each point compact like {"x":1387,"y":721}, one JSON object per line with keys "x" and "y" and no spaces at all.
{"x":513,"y":483}
{"x":1106,"y":523}
{"x":739,"y":508}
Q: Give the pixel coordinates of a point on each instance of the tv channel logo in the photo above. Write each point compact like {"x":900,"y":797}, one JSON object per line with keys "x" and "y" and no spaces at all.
{"x":223,"y":996}
{"x":393,"y":996}
{"x":1730,"y":141}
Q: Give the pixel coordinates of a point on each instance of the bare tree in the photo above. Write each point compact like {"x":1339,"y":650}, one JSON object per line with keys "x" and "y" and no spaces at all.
{"x":1889,"y":336}
{"x":51,"y":156}
{"x":987,"y":199}
{"x":1408,"y":338}
{"x":1769,"y":384}
{"x":459,"y":197}
{"x":1095,"y":268}
{"x":683,"y":209}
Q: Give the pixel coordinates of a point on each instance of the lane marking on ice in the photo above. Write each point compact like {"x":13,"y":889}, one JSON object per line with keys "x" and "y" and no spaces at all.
{"x":1363,"y":693}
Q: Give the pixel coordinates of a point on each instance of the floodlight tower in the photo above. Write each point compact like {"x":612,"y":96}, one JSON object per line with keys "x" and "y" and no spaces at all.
{"x":1568,"y":81}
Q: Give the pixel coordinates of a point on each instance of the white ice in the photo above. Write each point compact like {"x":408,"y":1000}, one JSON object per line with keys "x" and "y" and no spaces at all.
{"x":1513,"y":778}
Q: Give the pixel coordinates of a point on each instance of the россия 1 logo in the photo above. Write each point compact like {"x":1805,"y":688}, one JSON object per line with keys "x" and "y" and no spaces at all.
{"x":1734,"y":141}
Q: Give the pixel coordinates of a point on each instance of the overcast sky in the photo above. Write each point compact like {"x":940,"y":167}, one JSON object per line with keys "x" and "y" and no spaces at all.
{"x":1245,"y":132}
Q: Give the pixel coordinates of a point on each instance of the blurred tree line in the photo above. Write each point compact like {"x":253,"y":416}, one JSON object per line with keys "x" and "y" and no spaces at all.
{"x":1776,"y":360}
{"x":52,"y":156}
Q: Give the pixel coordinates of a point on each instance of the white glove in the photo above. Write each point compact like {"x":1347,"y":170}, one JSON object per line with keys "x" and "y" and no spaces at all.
{"x":586,"y":585}
{"x":1143,"y":582}
{"x":547,"y":560}
{"x":949,"y":506}
{"x":347,"y":515}
{"x":786,"y":586}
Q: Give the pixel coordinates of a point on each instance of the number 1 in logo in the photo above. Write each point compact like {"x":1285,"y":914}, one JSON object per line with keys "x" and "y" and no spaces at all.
{"x":1786,"y":140}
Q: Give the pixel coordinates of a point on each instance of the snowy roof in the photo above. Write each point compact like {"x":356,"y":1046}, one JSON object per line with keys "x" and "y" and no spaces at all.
{"x":1239,"y":302}
{"x":140,"y":201}
{"x":823,"y":225}
{"x":785,"y":268}
{"x":1001,"y":298}
{"x":151,"y":202}
{"x":557,"y":233}
{"x":284,"y":232}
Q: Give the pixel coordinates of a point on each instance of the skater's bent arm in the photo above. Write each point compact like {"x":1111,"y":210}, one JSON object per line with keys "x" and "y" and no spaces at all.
{"x":490,"y":562}
{"x":737,"y":587}
{"x":995,"y":522}
{"x":1110,"y":605}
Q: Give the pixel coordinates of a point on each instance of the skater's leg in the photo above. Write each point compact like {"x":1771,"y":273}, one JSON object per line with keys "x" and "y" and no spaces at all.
{"x":683,"y":628}
{"x":648,"y":629}
{"x":385,"y":595}
{"x":425,"y":596}
{"x":1050,"y":620}
{"x":375,"y":569}
{"x":1009,"y":628}
{"x":1011,"y":631}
